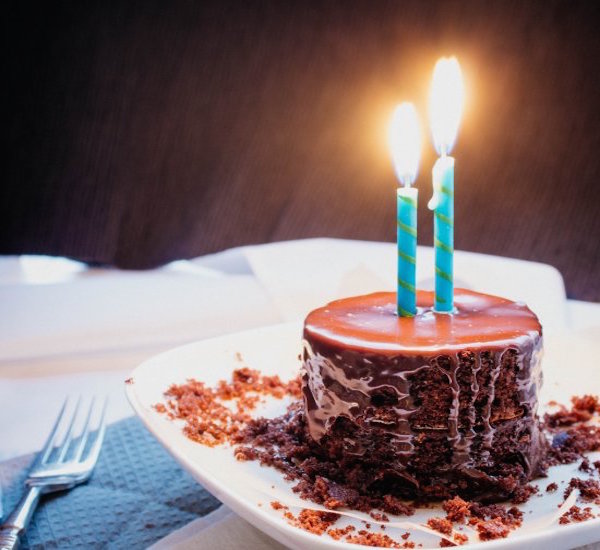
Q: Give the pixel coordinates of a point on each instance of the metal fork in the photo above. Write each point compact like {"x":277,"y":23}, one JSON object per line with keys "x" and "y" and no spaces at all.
{"x":57,"y":467}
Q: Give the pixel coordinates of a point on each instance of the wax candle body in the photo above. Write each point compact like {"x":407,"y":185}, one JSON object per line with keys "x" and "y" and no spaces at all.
{"x":443,"y":233}
{"x":407,"y":250}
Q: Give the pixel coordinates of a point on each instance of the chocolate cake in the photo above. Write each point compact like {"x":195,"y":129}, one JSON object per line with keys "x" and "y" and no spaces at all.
{"x":429,"y":406}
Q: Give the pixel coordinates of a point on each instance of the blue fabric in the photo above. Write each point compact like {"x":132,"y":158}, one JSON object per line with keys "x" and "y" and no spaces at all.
{"x":137,"y":495}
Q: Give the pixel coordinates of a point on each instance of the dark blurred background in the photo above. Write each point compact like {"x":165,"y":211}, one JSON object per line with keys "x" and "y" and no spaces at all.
{"x":140,"y":132}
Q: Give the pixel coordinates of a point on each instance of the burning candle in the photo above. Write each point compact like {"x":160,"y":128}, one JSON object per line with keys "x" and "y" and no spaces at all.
{"x":445,"y":109}
{"x":405,"y":146}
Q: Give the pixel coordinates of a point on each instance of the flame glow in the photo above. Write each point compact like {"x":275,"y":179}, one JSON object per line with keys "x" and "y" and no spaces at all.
{"x":446,"y":103}
{"x":405,"y":143}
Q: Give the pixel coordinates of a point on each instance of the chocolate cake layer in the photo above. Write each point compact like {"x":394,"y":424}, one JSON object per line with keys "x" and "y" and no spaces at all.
{"x":439,"y":404}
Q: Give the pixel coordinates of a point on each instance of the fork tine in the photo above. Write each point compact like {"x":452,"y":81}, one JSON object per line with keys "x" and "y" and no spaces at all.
{"x":85,"y":433}
{"x":92,"y":456}
{"x":66,"y":442}
{"x":43,"y":455}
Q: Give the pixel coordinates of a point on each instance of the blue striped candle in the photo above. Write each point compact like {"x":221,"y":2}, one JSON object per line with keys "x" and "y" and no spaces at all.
{"x":407,"y":251}
{"x":405,"y":145}
{"x":445,"y":110}
{"x":443,"y":233}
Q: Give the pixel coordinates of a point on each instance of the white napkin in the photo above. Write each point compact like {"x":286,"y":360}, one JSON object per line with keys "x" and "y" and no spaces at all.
{"x":124,"y":311}
{"x":305,"y":274}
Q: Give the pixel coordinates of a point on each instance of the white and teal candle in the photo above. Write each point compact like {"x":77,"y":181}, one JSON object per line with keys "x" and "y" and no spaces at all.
{"x":405,"y":146}
{"x":445,"y":110}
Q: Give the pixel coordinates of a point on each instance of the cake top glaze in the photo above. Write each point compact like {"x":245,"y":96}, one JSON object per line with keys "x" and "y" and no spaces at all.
{"x":370,"y":323}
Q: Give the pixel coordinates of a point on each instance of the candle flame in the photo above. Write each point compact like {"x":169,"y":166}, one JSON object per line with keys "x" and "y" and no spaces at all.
{"x":405,"y":143}
{"x":446,"y":103}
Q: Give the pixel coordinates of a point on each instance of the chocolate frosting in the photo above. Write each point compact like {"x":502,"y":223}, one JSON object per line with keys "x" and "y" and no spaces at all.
{"x":370,"y":323}
{"x":471,"y":378}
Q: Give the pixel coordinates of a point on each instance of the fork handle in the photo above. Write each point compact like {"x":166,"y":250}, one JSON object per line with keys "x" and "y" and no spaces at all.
{"x":17,"y":521}
{"x":9,"y":537}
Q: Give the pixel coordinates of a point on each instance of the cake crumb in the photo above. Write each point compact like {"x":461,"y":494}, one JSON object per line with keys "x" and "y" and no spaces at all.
{"x":492,"y":529}
{"x":457,"y":509}
{"x":380,"y":540}
{"x":441,"y":525}
{"x":129,"y":381}
{"x":576,"y":514}
{"x":460,"y":538}
{"x":524,"y":493}
{"x":313,"y":521}
{"x":337,"y":534}
{"x":589,"y":489}
{"x":589,"y":403}
{"x":552,"y":487}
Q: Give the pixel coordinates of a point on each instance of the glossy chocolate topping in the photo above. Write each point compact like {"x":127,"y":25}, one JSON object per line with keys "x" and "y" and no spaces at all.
{"x":370,"y":323}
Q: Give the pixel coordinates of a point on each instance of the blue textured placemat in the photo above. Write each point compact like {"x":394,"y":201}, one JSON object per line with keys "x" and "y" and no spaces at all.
{"x":137,"y":495}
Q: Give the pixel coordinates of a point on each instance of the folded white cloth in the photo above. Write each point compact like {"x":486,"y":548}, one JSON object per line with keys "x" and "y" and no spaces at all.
{"x":121,"y":311}
{"x":301,"y":275}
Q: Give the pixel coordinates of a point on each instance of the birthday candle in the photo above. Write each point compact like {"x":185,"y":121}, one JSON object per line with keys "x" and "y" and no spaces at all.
{"x":443,"y":233}
{"x":445,"y":109}
{"x":405,"y":145}
{"x":406,"y":224}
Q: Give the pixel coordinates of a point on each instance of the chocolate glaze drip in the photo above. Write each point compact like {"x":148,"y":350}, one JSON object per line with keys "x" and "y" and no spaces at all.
{"x":463,"y":386}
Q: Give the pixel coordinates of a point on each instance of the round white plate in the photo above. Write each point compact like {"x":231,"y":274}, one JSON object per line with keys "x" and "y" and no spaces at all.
{"x":247,"y":488}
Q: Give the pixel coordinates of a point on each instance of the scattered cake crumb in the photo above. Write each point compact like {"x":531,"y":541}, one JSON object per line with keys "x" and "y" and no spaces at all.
{"x":129,"y":381}
{"x":208,"y":420}
{"x":492,"y":529}
{"x":380,"y":540}
{"x":524,"y":493}
{"x":441,"y":525}
{"x":459,"y":540}
{"x":576,"y":514}
{"x":589,"y":403}
{"x":552,"y":487}
{"x":457,"y":509}
{"x":589,"y":489}
{"x":313,"y":521}
{"x":337,"y":534}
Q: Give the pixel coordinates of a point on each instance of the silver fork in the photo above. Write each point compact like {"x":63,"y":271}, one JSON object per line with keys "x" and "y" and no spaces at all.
{"x":57,"y":467}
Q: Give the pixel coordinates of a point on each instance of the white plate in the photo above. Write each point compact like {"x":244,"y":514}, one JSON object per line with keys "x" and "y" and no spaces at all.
{"x":246,"y":487}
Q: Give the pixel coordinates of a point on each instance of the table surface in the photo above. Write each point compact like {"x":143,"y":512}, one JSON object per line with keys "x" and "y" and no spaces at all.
{"x":45,"y":355}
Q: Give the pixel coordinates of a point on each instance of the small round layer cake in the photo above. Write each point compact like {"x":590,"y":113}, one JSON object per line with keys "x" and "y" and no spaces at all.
{"x":428,"y":406}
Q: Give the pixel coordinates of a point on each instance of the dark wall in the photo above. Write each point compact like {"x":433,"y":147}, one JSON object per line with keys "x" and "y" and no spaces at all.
{"x":142,"y":132}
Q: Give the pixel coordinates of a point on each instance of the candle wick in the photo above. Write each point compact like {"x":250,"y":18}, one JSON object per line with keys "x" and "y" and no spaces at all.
{"x":406,"y":181}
